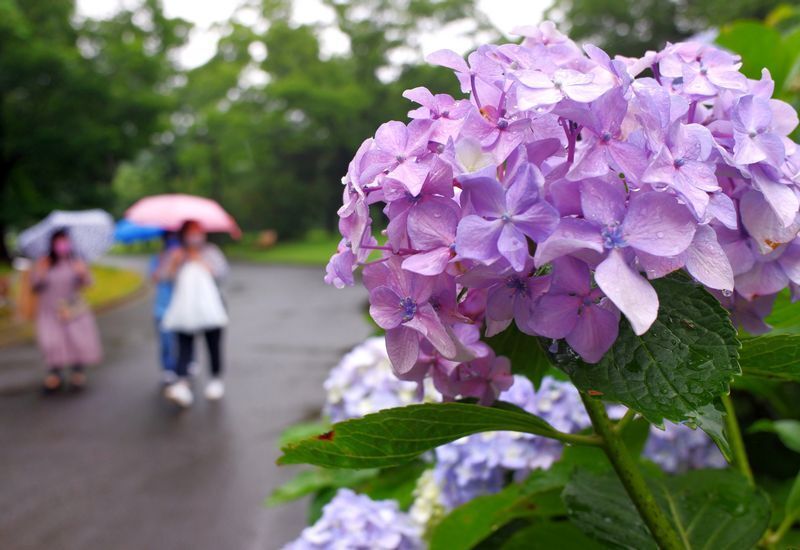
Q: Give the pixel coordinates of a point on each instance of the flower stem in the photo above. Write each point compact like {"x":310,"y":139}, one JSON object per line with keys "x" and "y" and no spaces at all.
{"x":737,"y":444}
{"x":623,"y":422}
{"x":663,"y":532}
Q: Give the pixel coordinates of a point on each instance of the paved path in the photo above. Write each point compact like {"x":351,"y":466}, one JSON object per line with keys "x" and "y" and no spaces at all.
{"x":116,"y":467}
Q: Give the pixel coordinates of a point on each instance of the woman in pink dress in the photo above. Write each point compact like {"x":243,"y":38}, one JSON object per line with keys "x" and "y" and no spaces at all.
{"x":65,"y":327}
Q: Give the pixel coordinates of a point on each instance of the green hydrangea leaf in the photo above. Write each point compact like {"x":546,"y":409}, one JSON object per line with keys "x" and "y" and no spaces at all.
{"x":675,"y":371}
{"x":709,"y":509}
{"x":395,"y":436}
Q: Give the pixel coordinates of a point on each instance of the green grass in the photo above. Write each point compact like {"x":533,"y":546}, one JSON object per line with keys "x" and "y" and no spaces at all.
{"x":315,"y":249}
{"x":111,"y":284}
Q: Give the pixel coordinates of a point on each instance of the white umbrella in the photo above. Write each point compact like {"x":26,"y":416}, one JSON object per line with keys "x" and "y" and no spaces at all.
{"x":91,"y":233}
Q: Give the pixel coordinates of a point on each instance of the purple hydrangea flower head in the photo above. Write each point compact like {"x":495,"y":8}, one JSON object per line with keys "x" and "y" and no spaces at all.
{"x":503,"y":220}
{"x":609,"y":175}
{"x":650,"y":222}
{"x":539,"y":89}
{"x":483,"y":378}
{"x":573,"y":310}
{"x":363,"y":383}
{"x":479,"y":464}
{"x":399,"y":304}
{"x":679,"y":448}
{"x":755,"y":140}
{"x":682,"y":164}
{"x":352,"y":521}
{"x":400,"y":149}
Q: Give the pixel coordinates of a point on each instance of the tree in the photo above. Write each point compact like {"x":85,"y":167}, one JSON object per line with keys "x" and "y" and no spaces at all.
{"x":630,"y":27}
{"x":76,"y":99}
{"x":274,"y":153}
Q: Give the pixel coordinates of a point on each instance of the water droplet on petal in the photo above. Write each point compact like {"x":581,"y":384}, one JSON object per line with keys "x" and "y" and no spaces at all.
{"x":660,"y":234}
{"x":727,"y":293}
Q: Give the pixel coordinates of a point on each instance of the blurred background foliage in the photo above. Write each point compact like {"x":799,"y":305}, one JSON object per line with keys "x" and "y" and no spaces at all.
{"x":98,"y":113}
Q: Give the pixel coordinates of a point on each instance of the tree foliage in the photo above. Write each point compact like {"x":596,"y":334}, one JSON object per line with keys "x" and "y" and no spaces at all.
{"x":76,"y":98}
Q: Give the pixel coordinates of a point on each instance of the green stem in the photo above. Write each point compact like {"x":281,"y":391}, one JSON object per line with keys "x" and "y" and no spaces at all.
{"x":783,"y":528}
{"x":737,"y":444}
{"x":663,"y":532}
{"x":630,"y":414}
{"x":575,"y":439}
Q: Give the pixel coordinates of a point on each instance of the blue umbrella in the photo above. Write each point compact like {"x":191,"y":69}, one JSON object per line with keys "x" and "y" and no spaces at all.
{"x":127,"y":232}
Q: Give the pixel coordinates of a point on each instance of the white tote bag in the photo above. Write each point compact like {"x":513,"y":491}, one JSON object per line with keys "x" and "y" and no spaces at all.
{"x":196,"y":304}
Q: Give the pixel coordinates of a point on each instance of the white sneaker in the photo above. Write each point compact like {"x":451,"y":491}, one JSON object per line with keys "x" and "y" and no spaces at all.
{"x":180,"y":394}
{"x":215,"y":389}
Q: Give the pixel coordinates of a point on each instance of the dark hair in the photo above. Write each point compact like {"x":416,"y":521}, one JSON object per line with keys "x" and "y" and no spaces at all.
{"x":57,"y":234}
{"x":185,"y":229}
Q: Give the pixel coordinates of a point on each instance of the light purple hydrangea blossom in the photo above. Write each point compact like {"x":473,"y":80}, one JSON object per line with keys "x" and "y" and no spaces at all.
{"x":559,"y":153}
{"x":356,"y":522}
{"x":363,"y":383}
{"x":480,"y":464}
{"x":679,"y":448}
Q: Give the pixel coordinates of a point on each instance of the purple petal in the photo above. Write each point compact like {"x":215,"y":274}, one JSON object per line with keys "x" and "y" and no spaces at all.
{"x":721,"y":207}
{"x":590,"y":162}
{"x":523,"y":191}
{"x":513,"y":246}
{"x":630,"y":159}
{"x":751,"y":114}
{"x":428,"y":263}
{"x":628,"y":290}
{"x":412,"y":174}
{"x":435,"y":331}
{"x":569,"y":236}
{"x":391,"y":137}
{"x":603,"y":202}
{"x":695,"y":198}
{"x":707,"y":262}
{"x":571,"y":275}
{"x":740,"y":255}
{"x":476,"y":238}
{"x":765,"y":278}
{"x":402,"y":346}
{"x":594,"y":333}
{"x":500,"y":302}
{"x":657,"y":224}
{"x":420,"y":95}
{"x":538,"y":222}
{"x":433,"y":224}
{"x":656,"y":267}
{"x":780,"y":197}
{"x":449,"y":59}
{"x":790,"y":261}
{"x":763,"y":225}
{"x":487,"y":196}
{"x":384,"y":307}
{"x":554,"y":315}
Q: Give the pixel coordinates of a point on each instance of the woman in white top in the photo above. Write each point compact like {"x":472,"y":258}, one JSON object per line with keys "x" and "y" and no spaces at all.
{"x":197,"y":267}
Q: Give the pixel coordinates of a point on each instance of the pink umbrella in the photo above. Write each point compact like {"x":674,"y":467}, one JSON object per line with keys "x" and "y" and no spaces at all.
{"x":170,"y":211}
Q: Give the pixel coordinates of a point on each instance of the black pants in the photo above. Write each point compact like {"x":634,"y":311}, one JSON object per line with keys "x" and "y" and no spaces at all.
{"x":185,"y":344}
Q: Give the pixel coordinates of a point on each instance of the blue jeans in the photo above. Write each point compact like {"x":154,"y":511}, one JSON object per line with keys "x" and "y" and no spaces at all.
{"x":167,"y":348}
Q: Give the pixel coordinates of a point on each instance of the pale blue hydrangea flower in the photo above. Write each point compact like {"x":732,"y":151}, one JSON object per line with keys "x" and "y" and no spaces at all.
{"x":356,"y":522}
{"x":363,"y":383}
{"x":679,"y":448}
{"x":481,"y":463}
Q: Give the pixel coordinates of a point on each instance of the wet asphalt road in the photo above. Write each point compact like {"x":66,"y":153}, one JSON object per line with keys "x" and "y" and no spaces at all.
{"x":118,"y":468}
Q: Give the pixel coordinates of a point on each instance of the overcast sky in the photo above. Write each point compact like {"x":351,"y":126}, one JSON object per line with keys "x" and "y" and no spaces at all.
{"x":505,"y":14}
